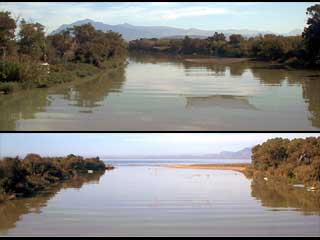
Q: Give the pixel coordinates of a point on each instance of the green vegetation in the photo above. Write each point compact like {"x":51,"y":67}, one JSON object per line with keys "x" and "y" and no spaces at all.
{"x":293,"y":51}
{"x":297,"y":160}
{"x":23,"y":177}
{"x":32,"y":59}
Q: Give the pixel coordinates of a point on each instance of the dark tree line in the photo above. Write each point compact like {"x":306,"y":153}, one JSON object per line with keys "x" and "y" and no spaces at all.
{"x":296,"y":51}
{"x":297,"y":159}
{"x":25,"y":56}
{"x":27,"y":176}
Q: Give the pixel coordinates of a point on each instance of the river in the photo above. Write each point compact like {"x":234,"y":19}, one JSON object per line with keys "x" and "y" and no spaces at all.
{"x":159,"y":201}
{"x":161,"y":92}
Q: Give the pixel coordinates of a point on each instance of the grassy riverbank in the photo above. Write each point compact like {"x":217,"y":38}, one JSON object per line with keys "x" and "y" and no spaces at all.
{"x":61,"y":73}
{"x":32,"y":59}
{"x":33,"y":174}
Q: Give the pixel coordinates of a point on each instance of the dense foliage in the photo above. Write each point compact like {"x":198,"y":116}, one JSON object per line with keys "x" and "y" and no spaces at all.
{"x":297,"y":159}
{"x":32,"y":59}
{"x":34,"y":173}
{"x":295,"y":51}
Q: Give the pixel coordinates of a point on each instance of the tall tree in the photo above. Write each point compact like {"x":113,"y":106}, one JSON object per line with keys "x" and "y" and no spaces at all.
{"x":32,"y":39}
{"x":7,"y":31}
{"x":311,"y":34}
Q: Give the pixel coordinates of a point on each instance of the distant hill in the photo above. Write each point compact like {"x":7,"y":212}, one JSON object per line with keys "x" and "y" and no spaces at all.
{"x":242,"y":154}
{"x":131,"y":32}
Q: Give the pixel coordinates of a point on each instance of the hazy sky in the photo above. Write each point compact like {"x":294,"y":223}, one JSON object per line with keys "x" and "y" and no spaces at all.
{"x":276,"y":17}
{"x":98,"y":144}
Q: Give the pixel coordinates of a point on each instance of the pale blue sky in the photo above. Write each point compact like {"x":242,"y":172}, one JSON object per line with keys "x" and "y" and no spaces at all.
{"x":98,"y":144}
{"x":276,"y":17}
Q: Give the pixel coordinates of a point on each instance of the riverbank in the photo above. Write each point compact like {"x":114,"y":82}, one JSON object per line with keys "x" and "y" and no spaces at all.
{"x":34,"y":174}
{"x":241,"y":167}
{"x":60,"y":73}
{"x":216,"y":60}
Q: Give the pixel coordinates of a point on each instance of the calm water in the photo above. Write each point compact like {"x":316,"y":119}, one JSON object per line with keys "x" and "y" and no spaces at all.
{"x":151,"y":200}
{"x":165,"y":93}
{"x":161,"y":162}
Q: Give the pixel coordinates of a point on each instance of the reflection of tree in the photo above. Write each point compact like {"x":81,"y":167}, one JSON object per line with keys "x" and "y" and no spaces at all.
{"x":89,"y":93}
{"x":212,"y":69}
{"x":269,"y":76}
{"x":11,"y":211}
{"x":154,"y":58}
{"x":21,"y":105}
{"x":237,"y":69}
{"x":311,"y":93}
{"x":223,"y":101}
{"x":275,"y":194}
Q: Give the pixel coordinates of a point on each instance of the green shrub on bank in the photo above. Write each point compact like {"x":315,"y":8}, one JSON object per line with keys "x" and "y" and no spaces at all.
{"x":34,"y":173}
{"x":7,"y":87}
{"x":296,"y":160}
{"x":9,"y":72}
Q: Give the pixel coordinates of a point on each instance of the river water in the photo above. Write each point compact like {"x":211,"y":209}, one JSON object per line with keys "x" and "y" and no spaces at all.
{"x":160,"y":92}
{"x":159,"y":201}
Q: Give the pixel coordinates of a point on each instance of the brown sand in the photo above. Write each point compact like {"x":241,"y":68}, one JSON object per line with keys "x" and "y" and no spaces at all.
{"x":241,"y":167}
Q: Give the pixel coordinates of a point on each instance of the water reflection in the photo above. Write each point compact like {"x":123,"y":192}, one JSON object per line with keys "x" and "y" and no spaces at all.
{"x":12,"y":211}
{"x":275,"y":194}
{"x":91,"y":93}
{"x":136,"y":98}
{"x":223,"y":101}
{"x":22,"y":105}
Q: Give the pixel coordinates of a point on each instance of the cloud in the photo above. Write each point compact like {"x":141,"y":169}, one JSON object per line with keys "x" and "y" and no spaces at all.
{"x":52,"y":15}
{"x":189,"y":12}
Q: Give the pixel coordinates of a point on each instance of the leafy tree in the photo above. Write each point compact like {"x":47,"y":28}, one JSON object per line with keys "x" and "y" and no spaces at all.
{"x":7,"y":31}
{"x":32,"y":40}
{"x":236,"y":39}
{"x":311,"y":34}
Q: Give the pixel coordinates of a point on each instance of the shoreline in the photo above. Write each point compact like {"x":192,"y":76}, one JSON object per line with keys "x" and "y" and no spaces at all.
{"x":241,"y":167}
{"x":216,"y":60}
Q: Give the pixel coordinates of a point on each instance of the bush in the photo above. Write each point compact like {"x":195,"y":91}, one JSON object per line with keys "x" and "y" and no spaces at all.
{"x":35,"y":173}
{"x":7,"y":87}
{"x":9,"y":72}
{"x":297,"y":160}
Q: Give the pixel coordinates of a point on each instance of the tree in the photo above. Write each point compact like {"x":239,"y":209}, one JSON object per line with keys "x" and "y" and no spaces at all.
{"x":62,"y":42}
{"x":235,"y":39}
{"x":32,"y":39}
{"x":7,"y":31}
{"x":311,"y":34}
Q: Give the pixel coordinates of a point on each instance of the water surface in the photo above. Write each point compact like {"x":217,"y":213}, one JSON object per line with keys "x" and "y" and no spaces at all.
{"x":158,"y":201}
{"x":160,"y":92}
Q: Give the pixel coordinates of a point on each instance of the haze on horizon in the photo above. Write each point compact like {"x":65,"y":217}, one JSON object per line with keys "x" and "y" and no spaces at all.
{"x":275,"y":17}
{"x":102,"y":144}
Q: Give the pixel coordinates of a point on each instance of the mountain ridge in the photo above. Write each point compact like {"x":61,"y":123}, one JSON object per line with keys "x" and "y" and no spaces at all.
{"x":132,"y":32}
{"x":244,"y":153}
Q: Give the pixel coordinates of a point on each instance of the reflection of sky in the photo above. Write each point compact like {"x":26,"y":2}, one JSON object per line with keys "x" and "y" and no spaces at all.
{"x":196,"y":80}
{"x":131,"y":143}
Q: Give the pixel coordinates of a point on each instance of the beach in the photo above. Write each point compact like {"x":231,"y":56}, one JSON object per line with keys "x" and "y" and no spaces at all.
{"x":241,"y":167}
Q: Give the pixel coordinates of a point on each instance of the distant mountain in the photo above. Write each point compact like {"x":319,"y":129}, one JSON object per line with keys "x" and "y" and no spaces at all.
{"x":294,"y":32}
{"x":131,"y":32}
{"x":242,"y":154}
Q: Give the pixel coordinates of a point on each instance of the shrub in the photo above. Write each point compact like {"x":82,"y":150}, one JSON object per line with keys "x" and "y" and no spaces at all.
{"x":9,"y":72}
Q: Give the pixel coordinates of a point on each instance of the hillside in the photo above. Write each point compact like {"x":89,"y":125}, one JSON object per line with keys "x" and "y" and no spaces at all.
{"x":131,"y":32}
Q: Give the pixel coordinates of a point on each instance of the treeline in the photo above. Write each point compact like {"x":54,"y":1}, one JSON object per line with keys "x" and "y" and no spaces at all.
{"x":295,"y":51}
{"x":35,"y":60}
{"x":297,"y":160}
{"x":23,"y":177}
